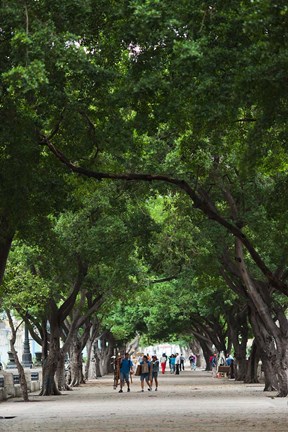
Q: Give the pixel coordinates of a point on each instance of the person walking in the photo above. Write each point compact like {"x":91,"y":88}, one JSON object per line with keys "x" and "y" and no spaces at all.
{"x":192,"y":359}
{"x":163,"y":361}
{"x":172,"y":360}
{"x":177,"y":364}
{"x":214,"y":362}
{"x":126,"y":366}
{"x":154,"y":372}
{"x":145,"y":370}
{"x":182,"y":361}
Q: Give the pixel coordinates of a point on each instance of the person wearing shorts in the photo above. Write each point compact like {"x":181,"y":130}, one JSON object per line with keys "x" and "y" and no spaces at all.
{"x":155,"y":371}
{"x":126,"y":366}
{"x":145,"y":371}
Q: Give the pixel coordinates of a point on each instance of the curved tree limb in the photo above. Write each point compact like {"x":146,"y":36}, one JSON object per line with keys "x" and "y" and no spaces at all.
{"x":198,"y":203}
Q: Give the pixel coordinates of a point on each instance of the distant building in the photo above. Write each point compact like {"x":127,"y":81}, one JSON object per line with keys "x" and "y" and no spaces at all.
{"x":5,"y":336}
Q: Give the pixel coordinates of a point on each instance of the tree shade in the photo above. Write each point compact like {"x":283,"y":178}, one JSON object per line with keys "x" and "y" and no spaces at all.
{"x":188,"y":95}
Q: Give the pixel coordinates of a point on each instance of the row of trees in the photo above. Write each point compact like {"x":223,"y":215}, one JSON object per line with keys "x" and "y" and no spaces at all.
{"x":183,"y":106}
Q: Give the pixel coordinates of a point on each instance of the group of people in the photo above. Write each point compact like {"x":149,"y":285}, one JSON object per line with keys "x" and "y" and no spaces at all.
{"x":176,"y":363}
{"x":148,"y":368}
{"x":229,"y":361}
{"x":148,"y":371}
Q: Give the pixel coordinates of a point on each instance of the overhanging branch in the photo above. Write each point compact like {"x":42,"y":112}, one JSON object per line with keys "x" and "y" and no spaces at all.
{"x":198,"y":202}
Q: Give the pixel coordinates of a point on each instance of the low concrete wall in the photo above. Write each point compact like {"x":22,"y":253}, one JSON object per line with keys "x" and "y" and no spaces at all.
{"x":11,"y":382}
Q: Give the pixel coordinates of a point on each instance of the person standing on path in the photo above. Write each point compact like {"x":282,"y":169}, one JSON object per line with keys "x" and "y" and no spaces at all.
{"x":172,"y":361}
{"x":155,"y":372}
{"x":214,"y":362}
{"x":177,"y":363}
{"x":182,"y":361}
{"x":192,"y":359}
{"x":145,"y":370}
{"x":126,"y":366}
{"x":163,"y":361}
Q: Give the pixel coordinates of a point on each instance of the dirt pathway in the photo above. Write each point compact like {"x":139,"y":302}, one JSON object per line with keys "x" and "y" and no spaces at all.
{"x":192,"y":401}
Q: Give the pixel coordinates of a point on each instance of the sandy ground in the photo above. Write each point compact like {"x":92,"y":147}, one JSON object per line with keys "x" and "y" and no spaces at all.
{"x":192,"y":401}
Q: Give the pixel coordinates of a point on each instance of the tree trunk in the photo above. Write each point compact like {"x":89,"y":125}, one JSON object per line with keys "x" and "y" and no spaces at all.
{"x":60,"y":373}
{"x":282,"y":371}
{"x":6,"y":238}
{"x":76,"y":363}
{"x":90,"y":366}
{"x":133,"y":346}
{"x":49,"y":387}
{"x":270,"y":326}
{"x":266,"y":348}
{"x":97,"y":362}
{"x":23,"y":382}
{"x":207,"y":353}
{"x":238,"y":329}
{"x":104,"y":353}
{"x":195,"y":347}
{"x":252,"y":365}
{"x":88,"y":373}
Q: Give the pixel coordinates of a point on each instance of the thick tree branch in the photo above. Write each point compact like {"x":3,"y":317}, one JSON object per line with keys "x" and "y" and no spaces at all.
{"x":168,"y":278}
{"x":198,"y":203}
{"x":70,"y":301}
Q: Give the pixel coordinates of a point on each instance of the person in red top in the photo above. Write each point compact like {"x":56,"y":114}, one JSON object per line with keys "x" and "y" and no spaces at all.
{"x":163,"y":361}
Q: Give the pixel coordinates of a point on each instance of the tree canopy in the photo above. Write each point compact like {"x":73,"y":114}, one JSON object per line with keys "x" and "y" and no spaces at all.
{"x":175,"y":106}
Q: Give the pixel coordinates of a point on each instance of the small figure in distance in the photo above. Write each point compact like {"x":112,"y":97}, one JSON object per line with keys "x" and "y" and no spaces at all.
{"x":177,"y":364}
{"x":154,"y":371}
{"x":126,"y":366}
{"x":192,"y":359}
{"x":214,"y":362}
{"x":229,"y":360}
{"x":182,"y":361}
{"x":163,"y":360}
{"x":172,"y":360}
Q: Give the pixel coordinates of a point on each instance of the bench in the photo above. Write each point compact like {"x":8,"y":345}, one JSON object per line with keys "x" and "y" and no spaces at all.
{"x":224,"y":370}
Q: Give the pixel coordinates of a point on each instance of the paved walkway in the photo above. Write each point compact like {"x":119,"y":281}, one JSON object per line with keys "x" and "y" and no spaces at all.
{"x":192,"y":401}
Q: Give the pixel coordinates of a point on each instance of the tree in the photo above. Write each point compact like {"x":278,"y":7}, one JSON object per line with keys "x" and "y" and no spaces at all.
{"x":216,"y":130}
{"x":187,"y":105}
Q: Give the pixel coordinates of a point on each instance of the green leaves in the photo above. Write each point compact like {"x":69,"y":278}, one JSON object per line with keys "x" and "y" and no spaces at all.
{"x":22,"y":79}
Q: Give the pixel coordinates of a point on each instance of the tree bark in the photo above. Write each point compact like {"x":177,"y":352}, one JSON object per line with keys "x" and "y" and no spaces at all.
{"x":195,"y":347}
{"x":6,"y":238}
{"x":271,"y":338}
{"x":90,"y":371}
{"x":207,"y":352}
{"x":76,"y":363}
{"x":23,"y":382}
{"x":50,"y":363}
{"x":103,"y":355}
{"x":60,"y":373}
{"x":252,"y":365}
{"x":238,"y":328}
{"x":266,"y":348}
